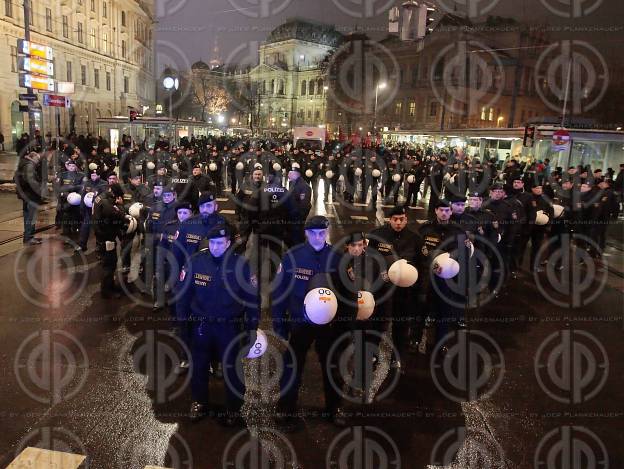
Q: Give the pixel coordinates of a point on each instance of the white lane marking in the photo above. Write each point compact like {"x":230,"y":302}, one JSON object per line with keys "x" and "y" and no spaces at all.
{"x":37,"y":458}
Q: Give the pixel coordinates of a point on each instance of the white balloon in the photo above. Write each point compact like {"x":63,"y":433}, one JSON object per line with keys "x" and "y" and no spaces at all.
{"x":376,"y":173}
{"x":320,"y":305}
{"x":471,"y":249}
{"x":396,"y":177}
{"x":411,"y":179}
{"x":74,"y":198}
{"x":329,"y":174}
{"x":450,"y":267}
{"x":402,"y":274}
{"x":358,"y":171}
{"x":260,"y":346}
{"x":558,"y":209}
{"x":240,"y":166}
{"x":499,"y":238}
{"x":541,"y":218}
{"x":174,"y":166}
{"x":366,"y":305}
{"x":309,"y":173}
{"x":92,"y":166}
{"x":88,"y":199}
{"x":212,"y":166}
{"x":277,"y":167}
{"x":296,"y":165}
{"x":150,"y":165}
{"x":132,"y":224}
{"x":135,"y":209}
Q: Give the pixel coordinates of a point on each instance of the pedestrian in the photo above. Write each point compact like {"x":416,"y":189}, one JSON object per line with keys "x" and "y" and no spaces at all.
{"x":30,"y":189}
{"x":300,"y":195}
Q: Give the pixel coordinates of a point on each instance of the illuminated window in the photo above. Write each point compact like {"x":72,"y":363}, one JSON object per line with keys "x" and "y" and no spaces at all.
{"x":483,"y":113}
{"x":398,"y":107}
{"x":412,"y":109}
{"x":491,"y":114}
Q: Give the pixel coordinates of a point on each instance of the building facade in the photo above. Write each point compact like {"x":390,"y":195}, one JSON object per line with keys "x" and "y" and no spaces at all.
{"x":288,"y":86}
{"x":104,"y":47}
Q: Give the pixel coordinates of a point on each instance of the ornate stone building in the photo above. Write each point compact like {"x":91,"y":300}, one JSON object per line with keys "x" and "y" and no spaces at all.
{"x":105,"y":47}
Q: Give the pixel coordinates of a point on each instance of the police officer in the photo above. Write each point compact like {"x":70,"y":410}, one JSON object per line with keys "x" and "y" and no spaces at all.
{"x":371,"y":177}
{"x":161,"y":211}
{"x":395,"y":241}
{"x":447,"y":301}
{"x":301,"y":203}
{"x":218,"y":298}
{"x":363,"y":271}
{"x":108,"y":223}
{"x":304,"y":267}
{"x":96,"y":186}
{"x":538,"y":232}
{"x":191,"y":233}
{"x":70,"y":180}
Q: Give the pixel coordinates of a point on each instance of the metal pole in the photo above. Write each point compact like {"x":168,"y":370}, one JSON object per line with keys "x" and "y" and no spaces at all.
{"x":375,"y":111}
{"x":172,"y":139}
{"x":567,"y":90}
{"x":31,"y":114}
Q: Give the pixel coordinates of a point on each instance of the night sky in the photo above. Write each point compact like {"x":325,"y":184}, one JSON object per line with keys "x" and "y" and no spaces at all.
{"x":187,"y":29}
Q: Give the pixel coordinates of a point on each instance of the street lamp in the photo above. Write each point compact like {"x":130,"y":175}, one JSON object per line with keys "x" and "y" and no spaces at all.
{"x":380,"y":86}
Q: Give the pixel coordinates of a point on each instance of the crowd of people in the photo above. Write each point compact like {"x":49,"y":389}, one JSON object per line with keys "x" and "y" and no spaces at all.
{"x":483,"y":219}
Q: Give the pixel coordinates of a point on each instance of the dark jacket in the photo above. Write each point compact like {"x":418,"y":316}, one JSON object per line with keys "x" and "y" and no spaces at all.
{"x":28,"y":183}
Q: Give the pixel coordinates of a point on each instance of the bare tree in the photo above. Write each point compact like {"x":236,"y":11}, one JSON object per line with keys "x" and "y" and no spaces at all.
{"x":209,"y":95}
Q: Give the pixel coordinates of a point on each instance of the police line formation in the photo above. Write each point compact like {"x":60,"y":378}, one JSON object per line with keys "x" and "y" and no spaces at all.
{"x":412,"y":281}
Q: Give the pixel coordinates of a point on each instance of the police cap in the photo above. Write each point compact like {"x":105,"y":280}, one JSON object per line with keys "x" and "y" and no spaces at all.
{"x":184,"y":204}
{"x":206,"y":197}
{"x":219,"y":231}
{"x":116,"y":190}
{"x":317,"y":222}
{"x":398,"y":211}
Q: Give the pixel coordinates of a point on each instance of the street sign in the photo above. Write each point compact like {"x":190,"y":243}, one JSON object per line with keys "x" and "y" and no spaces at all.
{"x":34,"y":50}
{"x":65,"y":87}
{"x":55,"y":100}
{"x":37,"y":82}
{"x":27,"y":97}
{"x":23,"y":108}
{"x":560,"y":140}
{"x":34,"y":65}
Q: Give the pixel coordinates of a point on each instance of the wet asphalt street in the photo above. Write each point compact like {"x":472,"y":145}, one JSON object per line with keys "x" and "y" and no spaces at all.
{"x":535,"y":381}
